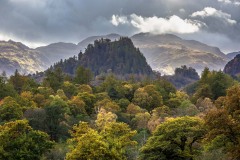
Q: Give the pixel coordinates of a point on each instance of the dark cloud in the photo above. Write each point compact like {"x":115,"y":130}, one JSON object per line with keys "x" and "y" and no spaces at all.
{"x":46,"y":21}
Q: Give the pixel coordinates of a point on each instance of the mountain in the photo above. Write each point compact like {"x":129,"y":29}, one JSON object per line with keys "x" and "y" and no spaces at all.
{"x":166,"y":52}
{"x":84,"y":43}
{"x":119,"y":57}
{"x":15,"y":55}
{"x":61,"y":50}
{"x":233,"y":66}
{"x":232,"y":55}
{"x":57,"y":51}
{"x":163,"y":53}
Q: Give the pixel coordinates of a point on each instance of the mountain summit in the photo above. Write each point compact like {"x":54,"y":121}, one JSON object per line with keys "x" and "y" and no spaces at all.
{"x":119,"y":57}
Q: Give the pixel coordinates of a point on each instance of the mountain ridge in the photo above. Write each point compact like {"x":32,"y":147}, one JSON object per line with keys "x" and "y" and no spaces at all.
{"x":16,"y":55}
{"x":163,"y":52}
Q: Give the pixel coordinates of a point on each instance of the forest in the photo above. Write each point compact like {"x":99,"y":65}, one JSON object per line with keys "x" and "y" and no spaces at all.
{"x":75,"y":117}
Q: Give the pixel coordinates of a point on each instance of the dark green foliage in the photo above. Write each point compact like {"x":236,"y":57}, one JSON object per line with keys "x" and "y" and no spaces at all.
{"x":10,"y":110}
{"x":183,"y":76}
{"x":118,"y":57}
{"x":22,"y":82}
{"x":213,"y":84}
{"x":54,"y":78}
{"x":19,"y":141}
{"x":174,"y":139}
{"x":82,"y":75}
{"x":165,"y":88}
{"x":55,"y":111}
{"x":6,"y":89}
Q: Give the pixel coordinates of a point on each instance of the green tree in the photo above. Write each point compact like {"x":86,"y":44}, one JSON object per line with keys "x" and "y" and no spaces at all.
{"x":10,"y":110}
{"x":6,"y":89}
{"x":86,"y":143}
{"x":19,"y":141}
{"x":119,"y":137}
{"x":55,"y":116}
{"x":54,"y":78}
{"x":224,"y":125}
{"x":89,"y":100}
{"x":174,"y":139}
{"x":69,"y":89}
{"x":83,"y":75}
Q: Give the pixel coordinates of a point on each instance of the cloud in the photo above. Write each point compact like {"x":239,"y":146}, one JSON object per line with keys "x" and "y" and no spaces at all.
{"x":212,"y":12}
{"x":116,"y":20}
{"x":158,"y":25}
{"x":237,"y":3}
{"x":48,"y":21}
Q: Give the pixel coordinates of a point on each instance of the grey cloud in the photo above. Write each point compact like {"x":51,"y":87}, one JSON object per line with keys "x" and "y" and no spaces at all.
{"x":46,"y":21}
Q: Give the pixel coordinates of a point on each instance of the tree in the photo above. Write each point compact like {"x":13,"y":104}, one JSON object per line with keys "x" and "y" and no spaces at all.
{"x":104,"y":117}
{"x":19,"y":141}
{"x":107,"y":105}
{"x":6,"y":89}
{"x":69,"y":89}
{"x":223,"y":125}
{"x":55,"y":116}
{"x":89,"y":100}
{"x":174,"y":139}
{"x":86,"y":143}
{"x":83,"y":75}
{"x":10,"y":110}
{"x":119,"y":137}
{"x":142,"y":98}
{"x":54,"y":78}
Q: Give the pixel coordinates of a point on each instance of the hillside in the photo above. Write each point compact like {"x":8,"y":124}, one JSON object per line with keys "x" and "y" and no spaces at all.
{"x":166,"y":52}
{"x":57,"y":51}
{"x":232,"y":55}
{"x":119,"y":57}
{"x":163,"y":53}
{"x":15,"y":55}
{"x":233,"y":66}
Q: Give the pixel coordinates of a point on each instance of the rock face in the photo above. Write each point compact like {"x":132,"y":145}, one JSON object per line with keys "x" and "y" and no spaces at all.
{"x":233,"y":66}
{"x":15,"y":55}
{"x":119,"y":57}
{"x":166,"y":52}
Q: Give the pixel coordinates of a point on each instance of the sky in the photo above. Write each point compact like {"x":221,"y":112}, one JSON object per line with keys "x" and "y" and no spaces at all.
{"x":41,"y":22}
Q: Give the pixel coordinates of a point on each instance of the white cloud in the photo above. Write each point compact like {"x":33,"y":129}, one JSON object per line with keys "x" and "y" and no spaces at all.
{"x":158,"y":25}
{"x":237,"y":3}
{"x":225,"y":1}
{"x":182,"y":10}
{"x":212,"y":12}
{"x":116,"y":20}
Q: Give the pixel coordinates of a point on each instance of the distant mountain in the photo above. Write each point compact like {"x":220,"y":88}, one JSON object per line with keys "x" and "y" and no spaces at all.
{"x":119,"y":57}
{"x":15,"y":55}
{"x":232,"y":55}
{"x":61,"y":50}
{"x":233,"y":66}
{"x":163,"y":53}
{"x":57,"y":51}
{"x":166,"y":52}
